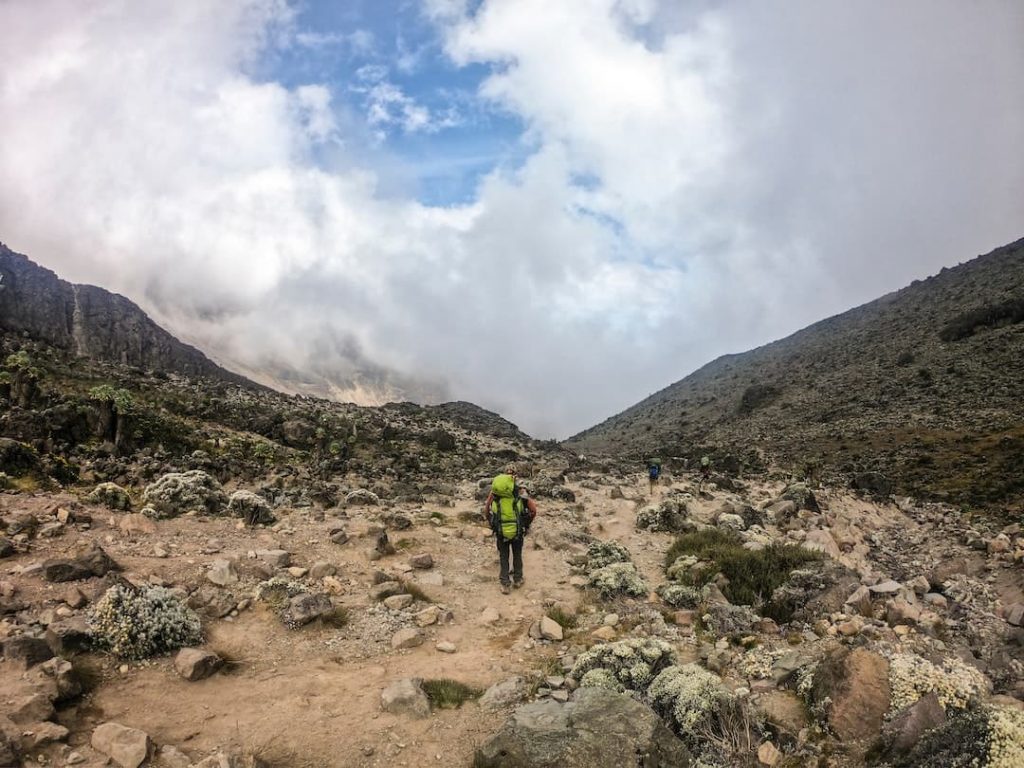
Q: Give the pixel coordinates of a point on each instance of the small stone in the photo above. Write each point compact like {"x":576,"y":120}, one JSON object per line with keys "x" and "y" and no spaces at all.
{"x":385,"y":590}
{"x":128,"y":747}
{"x":196,"y":664}
{"x":407,"y":638}
{"x":34,"y":708}
{"x":74,"y":598}
{"x":41,"y":734}
{"x":490,"y":616}
{"x":550,"y":629}
{"x":275,"y":558}
{"x":604,"y":632}
{"x":405,"y":697}
{"x":888,"y":587}
{"x":445,"y":647}
{"x":422,"y":561}
{"x":320,"y":569}
{"x":297,"y":572}
{"x":398,"y":602}
{"x":611,"y":620}
{"x":222,"y":573}
{"x":427,"y":616}
{"x":768,"y":754}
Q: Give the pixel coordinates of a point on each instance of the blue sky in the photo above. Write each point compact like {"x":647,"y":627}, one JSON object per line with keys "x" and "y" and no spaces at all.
{"x":354,"y":47}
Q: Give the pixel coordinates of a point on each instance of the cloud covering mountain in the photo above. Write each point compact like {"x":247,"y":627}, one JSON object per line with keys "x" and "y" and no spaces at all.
{"x":683,"y":179}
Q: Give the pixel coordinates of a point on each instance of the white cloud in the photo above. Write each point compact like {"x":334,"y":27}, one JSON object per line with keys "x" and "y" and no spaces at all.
{"x":699,"y":179}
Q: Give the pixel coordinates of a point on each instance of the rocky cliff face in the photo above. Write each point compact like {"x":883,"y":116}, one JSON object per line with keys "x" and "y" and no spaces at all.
{"x":91,"y":322}
{"x":924,"y":385}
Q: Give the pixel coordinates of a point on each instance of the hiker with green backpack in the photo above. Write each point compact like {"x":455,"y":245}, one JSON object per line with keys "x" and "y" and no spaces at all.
{"x":510,"y":512}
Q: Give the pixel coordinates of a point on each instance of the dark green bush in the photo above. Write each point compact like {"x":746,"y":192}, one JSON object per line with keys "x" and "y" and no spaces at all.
{"x":449,"y":694}
{"x":967,"y":324}
{"x":753,"y":574}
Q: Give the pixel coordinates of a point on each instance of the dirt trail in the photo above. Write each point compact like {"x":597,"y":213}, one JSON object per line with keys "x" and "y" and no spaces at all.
{"x":311,"y":697}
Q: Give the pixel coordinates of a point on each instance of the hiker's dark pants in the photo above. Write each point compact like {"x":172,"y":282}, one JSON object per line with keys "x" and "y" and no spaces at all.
{"x":516,"y":548}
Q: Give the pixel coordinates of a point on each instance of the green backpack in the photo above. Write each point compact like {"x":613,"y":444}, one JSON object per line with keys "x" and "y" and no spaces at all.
{"x":506,"y":508}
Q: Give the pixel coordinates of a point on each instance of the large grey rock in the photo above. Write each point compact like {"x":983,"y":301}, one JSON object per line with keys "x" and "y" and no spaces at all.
{"x":599,"y":728}
{"x":405,"y":697}
{"x":68,"y":636}
{"x":128,"y":747}
{"x":92,"y":562}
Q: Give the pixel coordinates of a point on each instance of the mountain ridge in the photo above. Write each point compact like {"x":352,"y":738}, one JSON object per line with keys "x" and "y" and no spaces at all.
{"x":871,"y":389}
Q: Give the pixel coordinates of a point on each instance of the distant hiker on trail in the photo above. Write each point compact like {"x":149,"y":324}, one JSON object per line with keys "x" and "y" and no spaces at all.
{"x":510,"y":513}
{"x":705,"y":470}
{"x":653,"y":472}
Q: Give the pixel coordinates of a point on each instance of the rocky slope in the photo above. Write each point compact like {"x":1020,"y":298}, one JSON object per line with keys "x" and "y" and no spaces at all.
{"x":91,"y":322}
{"x":198,"y":574}
{"x":924,"y":385}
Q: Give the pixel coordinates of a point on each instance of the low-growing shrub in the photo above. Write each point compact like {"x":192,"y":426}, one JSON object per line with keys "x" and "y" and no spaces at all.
{"x":604,"y":553}
{"x":445,"y":693}
{"x":135,"y":623}
{"x":753,"y":574}
{"x":633,"y":663}
{"x":618,"y":579}
{"x":562,"y":618}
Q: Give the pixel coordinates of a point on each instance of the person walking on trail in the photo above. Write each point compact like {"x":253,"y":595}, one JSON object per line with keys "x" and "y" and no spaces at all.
{"x":653,"y":472}
{"x":705,"y":470}
{"x":510,"y":512}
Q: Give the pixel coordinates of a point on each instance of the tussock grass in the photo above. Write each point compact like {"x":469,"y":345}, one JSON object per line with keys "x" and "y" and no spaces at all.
{"x":564,"y":620}
{"x":445,"y":693}
{"x":753,"y":574}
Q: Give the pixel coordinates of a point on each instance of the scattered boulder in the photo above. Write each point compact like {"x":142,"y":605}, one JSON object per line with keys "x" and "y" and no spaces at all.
{"x":550,"y":629}
{"x":7,"y":548}
{"x":196,"y":663}
{"x":68,"y":636}
{"x":306,"y":607}
{"x":362,"y":497}
{"x":25,"y":651}
{"x":598,"y":729}
{"x":405,"y":697}
{"x":128,"y":747}
{"x":505,"y":693}
{"x":222,"y":573}
{"x":422,"y":561}
{"x":904,"y":731}
{"x":852,"y":689}
{"x":93,"y":562}
{"x":409,"y":637}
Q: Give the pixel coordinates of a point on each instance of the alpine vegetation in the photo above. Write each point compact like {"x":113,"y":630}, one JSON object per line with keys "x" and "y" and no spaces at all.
{"x":135,"y":623}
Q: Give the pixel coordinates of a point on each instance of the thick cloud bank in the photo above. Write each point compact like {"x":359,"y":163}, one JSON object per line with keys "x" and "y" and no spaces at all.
{"x":696,"y":182}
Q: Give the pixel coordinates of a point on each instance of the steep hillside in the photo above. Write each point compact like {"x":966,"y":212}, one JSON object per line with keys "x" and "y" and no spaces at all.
{"x":91,"y":322}
{"x":924,"y":385}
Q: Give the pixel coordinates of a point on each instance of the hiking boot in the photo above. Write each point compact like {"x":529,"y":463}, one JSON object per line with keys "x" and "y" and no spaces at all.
{"x":517,"y":584}
{"x":505,"y":589}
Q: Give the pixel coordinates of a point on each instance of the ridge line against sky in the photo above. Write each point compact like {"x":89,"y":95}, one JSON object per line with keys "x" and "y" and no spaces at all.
{"x":550,"y":209}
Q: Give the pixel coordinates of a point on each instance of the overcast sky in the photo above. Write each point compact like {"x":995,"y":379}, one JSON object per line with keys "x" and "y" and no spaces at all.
{"x":552,"y":209}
